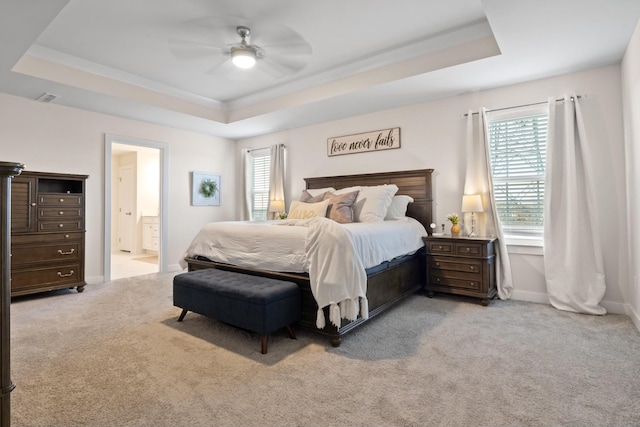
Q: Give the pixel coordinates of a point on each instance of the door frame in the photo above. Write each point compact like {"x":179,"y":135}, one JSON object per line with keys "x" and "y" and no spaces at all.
{"x":109,"y":140}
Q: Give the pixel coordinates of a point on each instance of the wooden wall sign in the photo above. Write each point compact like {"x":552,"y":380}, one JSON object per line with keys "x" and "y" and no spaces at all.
{"x":378,"y":140}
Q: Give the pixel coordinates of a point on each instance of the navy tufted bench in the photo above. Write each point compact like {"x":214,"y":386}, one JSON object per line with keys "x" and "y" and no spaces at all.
{"x":258,"y":304}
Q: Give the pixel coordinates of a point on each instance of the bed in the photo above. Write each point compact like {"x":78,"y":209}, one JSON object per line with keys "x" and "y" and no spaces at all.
{"x":386,"y":283}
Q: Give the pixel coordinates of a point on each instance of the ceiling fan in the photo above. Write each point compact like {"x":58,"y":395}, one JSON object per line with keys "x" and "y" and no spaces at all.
{"x":227,"y":44}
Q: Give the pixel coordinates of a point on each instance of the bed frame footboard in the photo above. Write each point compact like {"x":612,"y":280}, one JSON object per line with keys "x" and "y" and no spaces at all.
{"x":384,"y":289}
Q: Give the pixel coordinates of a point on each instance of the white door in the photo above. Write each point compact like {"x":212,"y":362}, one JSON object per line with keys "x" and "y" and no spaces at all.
{"x":126,"y":205}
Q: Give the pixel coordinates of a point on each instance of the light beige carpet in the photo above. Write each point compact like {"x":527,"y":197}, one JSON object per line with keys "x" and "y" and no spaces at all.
{"x":115,"y":356}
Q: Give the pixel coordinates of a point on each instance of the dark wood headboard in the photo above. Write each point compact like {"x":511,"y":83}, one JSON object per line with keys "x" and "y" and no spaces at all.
{"x":414,"y":183}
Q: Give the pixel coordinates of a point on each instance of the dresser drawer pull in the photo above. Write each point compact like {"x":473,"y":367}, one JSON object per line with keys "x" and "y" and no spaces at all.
{"x":66,"y":275}
{"x":66,"y":236}
{"x":61,"y":200}
{"x":471,"y":267}
{"x":467,"y":249}
{"x":437,"y":264}
{"x":66,"y":253}
{"x":60,"y":225}
{"x":437,"y":279}
{"x":439,"y":248}
{"x":61,"y":213}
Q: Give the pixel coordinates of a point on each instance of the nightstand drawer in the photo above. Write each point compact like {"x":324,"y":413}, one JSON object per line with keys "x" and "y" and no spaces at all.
{"x":456,"y":264}
{"x":440,"y":247}
{"x":470,"y":249}
{"x":452,"y":282}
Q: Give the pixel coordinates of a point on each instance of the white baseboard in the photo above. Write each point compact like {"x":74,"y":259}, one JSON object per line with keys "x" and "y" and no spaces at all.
{"x":612,"y":307}
{"x":94,"y":280}
{"x":537,"y":297}
{"x":633,"y":315}
{"x":174,"y":267}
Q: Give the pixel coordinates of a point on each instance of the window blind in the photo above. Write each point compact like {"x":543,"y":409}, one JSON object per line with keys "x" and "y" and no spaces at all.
{"x":518,"y":148}
{"x":260,"y":184}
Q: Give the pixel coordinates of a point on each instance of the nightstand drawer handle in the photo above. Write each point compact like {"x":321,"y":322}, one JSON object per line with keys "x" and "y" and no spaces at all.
{"x":66,"y":275}
{"x":66,"y":253}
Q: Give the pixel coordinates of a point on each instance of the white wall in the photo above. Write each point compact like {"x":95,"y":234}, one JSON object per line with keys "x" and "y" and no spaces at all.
{"x":432,"y":136}
{"x":631,"y":106}
{"x":53,"y":138}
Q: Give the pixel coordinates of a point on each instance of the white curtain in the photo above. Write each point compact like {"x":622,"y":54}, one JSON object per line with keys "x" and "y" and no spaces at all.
{"x":572,"y":251}
{"x":479,"y":181}
{"x":276,"y":179}
{"x":245,"y":214}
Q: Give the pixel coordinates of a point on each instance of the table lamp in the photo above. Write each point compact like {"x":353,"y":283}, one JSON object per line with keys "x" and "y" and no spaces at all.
{"x":472,"y":203}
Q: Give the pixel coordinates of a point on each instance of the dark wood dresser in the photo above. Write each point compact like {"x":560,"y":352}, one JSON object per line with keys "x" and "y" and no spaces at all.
{"x":47,"y":232}
{"x":461,"y":266}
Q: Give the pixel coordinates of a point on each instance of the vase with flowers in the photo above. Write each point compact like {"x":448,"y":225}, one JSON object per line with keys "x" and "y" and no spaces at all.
{"x":455,"y":228}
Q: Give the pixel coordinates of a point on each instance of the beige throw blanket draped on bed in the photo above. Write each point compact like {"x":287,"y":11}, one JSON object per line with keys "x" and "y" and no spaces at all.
{"x":336,"y":273}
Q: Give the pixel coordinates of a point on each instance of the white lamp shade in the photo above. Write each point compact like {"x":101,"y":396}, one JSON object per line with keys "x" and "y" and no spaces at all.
{"x":276,"y":206}
{"x":472,"y":203}
{"x":243,"y":58}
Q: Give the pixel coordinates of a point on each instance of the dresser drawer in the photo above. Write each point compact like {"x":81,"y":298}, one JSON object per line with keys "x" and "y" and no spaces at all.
{"x":60,"y":212}
{"x":42,"y":277}
{"x":22,"y":255}
{"x":26,"y":239}
{"x":62,"y":225}
{"x":453,"y":282}
{"x":60,"y":200}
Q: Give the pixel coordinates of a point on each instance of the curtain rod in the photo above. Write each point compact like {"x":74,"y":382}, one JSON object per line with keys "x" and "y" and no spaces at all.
{"x":264,"y":148}
{"x":523,"y":105}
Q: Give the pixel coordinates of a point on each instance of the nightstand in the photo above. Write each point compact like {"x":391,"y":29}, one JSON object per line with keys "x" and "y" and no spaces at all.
{"x":461,"y":266}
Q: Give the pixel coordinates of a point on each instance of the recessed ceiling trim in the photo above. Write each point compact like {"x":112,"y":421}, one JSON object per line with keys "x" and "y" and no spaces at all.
{"x":475,"y":50}
{"x":59,"y":73}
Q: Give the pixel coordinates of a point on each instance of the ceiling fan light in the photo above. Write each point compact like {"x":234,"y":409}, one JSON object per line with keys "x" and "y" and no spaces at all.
{"x":243,"y":58}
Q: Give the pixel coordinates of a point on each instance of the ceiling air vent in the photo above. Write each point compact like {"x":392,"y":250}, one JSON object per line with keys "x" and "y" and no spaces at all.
{"x":47,"y":97}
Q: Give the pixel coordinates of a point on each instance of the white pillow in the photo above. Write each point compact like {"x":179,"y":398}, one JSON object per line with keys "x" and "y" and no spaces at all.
{"x":373,"y":202}
{"x":398,"y":208}
{"x":301,"y":210}
{"x":318,"y":191}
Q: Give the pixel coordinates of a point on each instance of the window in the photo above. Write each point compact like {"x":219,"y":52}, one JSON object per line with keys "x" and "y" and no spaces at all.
{"x":518,"y":147}
{"x":259,"y":183}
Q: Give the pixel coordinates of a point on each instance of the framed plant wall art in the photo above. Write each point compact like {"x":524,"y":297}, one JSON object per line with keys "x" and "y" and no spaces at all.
{"x":205,"y":189}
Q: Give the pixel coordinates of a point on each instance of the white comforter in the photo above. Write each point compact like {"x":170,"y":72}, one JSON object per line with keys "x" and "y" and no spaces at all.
{"x":335,"y":255}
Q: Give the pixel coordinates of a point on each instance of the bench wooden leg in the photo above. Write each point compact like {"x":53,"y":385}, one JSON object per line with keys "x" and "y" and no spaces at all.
{"x":292,"y":334}
{"x":184,"y":313}
{"x":265,"y":341}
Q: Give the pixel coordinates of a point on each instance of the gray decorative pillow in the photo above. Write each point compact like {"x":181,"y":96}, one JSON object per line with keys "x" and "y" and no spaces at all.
{"x":306,"y":197}
{"x":340,"y":207}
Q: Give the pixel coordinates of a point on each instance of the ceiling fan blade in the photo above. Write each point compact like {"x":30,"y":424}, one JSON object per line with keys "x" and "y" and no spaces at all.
{"x":288,"y":48}
{"x":276,"y":34}
{"x":192,"y":50}
{"x":280,"y":67}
